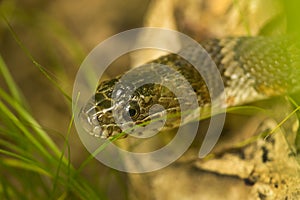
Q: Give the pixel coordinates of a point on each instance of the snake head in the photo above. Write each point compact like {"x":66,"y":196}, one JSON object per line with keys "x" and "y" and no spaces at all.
{"x":96,"y":116}
{"x":102,"y":113}
{"x":145,"y":100}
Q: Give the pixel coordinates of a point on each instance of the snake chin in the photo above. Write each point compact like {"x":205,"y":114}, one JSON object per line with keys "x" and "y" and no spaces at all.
{"x":100,"y":131}
{"x":96,"y":123}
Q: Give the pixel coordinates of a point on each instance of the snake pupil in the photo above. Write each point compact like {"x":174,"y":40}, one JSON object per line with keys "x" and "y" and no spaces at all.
{"x":132,"y":112}
{"x":133,"y":109}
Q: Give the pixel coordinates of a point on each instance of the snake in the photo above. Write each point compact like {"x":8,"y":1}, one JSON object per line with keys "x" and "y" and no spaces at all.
{"x":251,"y":69}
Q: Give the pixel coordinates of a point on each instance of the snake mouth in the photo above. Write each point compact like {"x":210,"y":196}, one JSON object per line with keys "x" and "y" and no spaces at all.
{"x":89,"y":122}
{"x":92,"y":122}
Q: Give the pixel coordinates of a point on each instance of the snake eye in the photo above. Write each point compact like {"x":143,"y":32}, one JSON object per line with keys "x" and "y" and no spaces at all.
{"x":134,"y":110}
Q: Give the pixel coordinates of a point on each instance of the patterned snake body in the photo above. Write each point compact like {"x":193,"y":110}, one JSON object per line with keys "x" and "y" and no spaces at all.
{"x":252,"y":68}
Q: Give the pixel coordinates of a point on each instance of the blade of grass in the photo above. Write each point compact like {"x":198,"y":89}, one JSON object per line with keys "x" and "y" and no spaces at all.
{"x":21,"y":121}
{"x":78,"y":186}
{"x":14,"y":90}
{"x":30,"y":57}
{"x":9,"y":192}
{"x":30,"y":120}
{"x":268,"y":133}
{"x":22,"y":128}
{"x":26,"y":166}
{"x":66,"y":146}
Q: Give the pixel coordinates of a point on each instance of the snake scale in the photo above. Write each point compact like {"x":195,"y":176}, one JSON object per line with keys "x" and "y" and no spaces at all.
{"x":252,"y":68}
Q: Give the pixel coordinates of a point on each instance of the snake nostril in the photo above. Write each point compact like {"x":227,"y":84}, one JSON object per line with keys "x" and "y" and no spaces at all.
{"x":94,"y":120}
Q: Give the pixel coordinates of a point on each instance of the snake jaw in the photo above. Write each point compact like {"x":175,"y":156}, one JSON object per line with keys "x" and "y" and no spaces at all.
{"x":88,"y":122}
{"x":91,"y":123}
{"x":89,"y":119}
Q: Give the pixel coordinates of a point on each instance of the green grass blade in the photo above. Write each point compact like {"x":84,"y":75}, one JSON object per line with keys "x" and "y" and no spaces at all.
{"x":39,"y":66}
{"x":14,"y":90}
